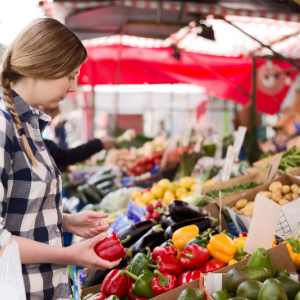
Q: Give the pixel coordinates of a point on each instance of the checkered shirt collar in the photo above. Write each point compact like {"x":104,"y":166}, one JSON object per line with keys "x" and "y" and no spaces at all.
{"x":25,"y":111}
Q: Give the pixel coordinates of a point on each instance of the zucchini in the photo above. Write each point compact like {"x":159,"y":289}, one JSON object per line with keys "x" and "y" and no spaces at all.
{"x":98,"y":179}
{"x":105,"y":185}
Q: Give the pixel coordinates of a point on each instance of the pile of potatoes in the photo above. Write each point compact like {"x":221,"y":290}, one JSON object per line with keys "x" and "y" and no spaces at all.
{"x":278,"y":193}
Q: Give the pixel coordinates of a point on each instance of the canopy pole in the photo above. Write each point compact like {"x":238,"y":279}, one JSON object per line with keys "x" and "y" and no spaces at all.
{"x":253,"y":96}
{"x":264,"y":45}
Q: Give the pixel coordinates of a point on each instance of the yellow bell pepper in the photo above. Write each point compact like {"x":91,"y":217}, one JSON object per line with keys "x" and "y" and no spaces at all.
{"x":294,"y":250}
{"x":221,"y":246}
{"x":182,"y":235}
{"x":240,"y":243}
{"x":231,"y":262}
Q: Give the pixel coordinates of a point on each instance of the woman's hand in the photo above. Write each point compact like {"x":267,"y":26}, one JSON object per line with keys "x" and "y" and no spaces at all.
{"x":82,"y":254}
{"x":86,"y":224}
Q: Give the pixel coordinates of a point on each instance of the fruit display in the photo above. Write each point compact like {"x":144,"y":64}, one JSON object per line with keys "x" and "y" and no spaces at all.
{"x":281,"y":194}
{"x":166,"y":192}
{"x":158,"y":144}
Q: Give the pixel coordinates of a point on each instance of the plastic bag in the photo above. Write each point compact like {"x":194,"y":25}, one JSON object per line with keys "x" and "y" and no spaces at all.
{"x":11,"y":278}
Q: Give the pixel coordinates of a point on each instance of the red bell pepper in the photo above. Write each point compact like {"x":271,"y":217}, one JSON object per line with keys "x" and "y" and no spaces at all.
{"x":169,"y":265}
{"x":188,"y":276}
{"x":243,"y":234}
{"x":111,"y":248}
{"x":163,"y":283}
{"x":99,"y":296}
{"x":130,"y":280}
{"x":194,"y":256}
{"x":163,"y":251}
{"x":115,"y":284}
{"x":212,"y":265}
{"x":131,"y":296}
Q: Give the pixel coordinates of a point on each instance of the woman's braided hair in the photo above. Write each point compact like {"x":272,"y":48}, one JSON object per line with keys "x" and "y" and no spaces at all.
{"x":45,"y":49}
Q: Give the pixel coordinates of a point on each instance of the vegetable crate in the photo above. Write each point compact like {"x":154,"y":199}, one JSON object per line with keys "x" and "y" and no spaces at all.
{"x":289,"y":217}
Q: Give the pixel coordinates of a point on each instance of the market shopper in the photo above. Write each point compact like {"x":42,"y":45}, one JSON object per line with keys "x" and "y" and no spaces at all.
{"x":39,"y":68}
{"x":65,"y":157}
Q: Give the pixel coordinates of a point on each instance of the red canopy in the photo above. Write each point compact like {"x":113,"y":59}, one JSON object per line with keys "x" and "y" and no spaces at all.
{"x":223,"y":77}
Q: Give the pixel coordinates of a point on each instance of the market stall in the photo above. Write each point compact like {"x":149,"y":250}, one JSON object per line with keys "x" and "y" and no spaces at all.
{"x":188,"y":218}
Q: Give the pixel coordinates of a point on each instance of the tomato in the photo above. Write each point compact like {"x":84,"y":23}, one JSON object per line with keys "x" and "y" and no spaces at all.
{"x":157,"y":161}
{"x":139,"y":170}
{"x":149,"y":167}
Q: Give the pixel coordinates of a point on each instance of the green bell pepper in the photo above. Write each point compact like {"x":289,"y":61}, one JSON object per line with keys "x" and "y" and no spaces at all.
{"x":240,"y":253}
{"x":141,"y":262}
{"x":87,"y":296}
{"x":199,"y":241}
{"x":143,"y":283}
{"x":112,"y":297}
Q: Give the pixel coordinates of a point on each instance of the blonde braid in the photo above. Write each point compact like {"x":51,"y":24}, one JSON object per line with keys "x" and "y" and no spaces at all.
{"x":7,"y":77}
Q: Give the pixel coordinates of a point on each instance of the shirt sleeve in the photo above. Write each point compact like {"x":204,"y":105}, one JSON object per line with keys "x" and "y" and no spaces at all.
{"x":65,"y":157}
{"x":6,"y":155}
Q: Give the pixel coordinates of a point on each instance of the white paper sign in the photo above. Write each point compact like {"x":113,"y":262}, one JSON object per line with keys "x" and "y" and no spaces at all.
{"x":186,"y":137}
{"x":263,"y":224}
{"x":238,"y":141}
{"x":228,"y":163}
{"x":212,"y":282}
{"x":198,"y":144}
{"x":198,"y":187}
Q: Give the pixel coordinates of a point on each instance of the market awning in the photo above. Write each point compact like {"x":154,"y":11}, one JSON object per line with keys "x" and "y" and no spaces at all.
{"x":149,"y":18}
{"x":223,"y":77}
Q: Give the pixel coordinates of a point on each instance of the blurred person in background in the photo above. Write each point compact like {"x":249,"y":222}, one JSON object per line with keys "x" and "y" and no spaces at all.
{"x":64,"y":157}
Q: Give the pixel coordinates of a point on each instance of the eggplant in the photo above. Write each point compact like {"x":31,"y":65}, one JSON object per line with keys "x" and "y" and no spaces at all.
{"x":95,"y":277}
{"x":175,"y":219}
{"x":163,"y":221}
{"x":152,"y":238}
{"x":184,"y":209}
{"x":202,"y":223}
{"x":136,"y":231}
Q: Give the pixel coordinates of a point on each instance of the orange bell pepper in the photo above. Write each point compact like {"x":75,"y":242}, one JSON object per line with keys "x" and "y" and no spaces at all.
{"x":182,"y":235}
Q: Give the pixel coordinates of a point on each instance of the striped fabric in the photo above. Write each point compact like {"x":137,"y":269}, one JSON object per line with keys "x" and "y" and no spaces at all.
{"x":53,"y":9}
{"x":30,"y":198}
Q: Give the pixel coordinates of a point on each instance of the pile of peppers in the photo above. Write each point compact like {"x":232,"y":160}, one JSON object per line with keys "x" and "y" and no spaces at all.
{"x":167,"y":267}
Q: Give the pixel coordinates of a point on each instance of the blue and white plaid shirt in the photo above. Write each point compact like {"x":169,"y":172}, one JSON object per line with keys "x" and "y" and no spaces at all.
{"x":30,"y":198}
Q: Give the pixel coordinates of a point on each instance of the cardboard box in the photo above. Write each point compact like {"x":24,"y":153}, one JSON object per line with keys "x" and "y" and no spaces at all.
{"x":289,"y":217}
{"x":213,"y":282}
{"x":255,"y":176}
{"x":279,"y":255}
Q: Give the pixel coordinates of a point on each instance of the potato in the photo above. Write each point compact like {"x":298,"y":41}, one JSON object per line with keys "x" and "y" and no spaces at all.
{"x":286,"y":189}
{"x":275,"y":185}
{"x":248,"y":209}
{"x":283,"y":201}
{"x":288,"y":197}
{"x":295,"y":196}
{"x":241,"y":203}
{"x":276,"y":197}
{"x":234,"y":208}
{"x":295,"y":188}
{"x":266,"y":194}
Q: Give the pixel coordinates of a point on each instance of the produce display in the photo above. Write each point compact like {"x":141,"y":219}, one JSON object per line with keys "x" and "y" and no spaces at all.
{"x":166,"y":192}
{"x":290,"y":159}
{"x":281,"y":194}
{"x":119,"y":157}
{"x":232,"y":189}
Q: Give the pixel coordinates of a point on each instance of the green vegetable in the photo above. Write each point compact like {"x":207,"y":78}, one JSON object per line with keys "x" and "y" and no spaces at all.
{"x":192,"y":294}
{"x":143,"y":283}
{"x":232,"y":189}
{"x":118,"y":199}
{"x":88,"y":296}
{"x":141,"y":262}
{"x":197,"y":200}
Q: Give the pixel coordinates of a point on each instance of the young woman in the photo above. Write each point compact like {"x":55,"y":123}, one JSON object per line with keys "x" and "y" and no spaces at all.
{"x":39,"y":68}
